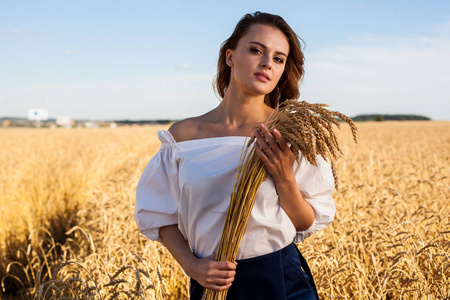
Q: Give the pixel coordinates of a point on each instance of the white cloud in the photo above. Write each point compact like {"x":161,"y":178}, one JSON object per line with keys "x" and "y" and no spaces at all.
{"x":19,"y":33}
{"x":185,"y":67}
{"x":70,"y":52}
{"x":16,"y":31}
{"x":383,"y":74}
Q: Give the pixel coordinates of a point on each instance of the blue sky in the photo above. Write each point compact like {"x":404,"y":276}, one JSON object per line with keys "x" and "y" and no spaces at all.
{"x":157,"y":59}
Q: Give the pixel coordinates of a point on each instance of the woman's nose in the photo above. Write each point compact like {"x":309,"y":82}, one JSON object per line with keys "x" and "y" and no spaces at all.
{"x":266,"y":63}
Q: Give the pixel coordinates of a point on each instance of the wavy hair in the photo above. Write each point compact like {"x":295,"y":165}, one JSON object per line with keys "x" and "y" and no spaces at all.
{"x":287,"y":87}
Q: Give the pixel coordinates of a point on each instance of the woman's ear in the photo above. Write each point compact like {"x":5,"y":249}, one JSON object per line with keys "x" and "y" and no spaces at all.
{"x":229,"y":57}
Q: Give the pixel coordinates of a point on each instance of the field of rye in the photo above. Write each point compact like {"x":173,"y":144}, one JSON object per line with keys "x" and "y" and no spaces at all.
{"x":68,"y":231}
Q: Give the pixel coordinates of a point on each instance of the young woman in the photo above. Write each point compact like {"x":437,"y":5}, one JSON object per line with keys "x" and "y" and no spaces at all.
{"x":184,"y":192}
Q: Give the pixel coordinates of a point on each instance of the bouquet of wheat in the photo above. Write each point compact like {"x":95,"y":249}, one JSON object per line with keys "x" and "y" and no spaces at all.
{"x":309,"y":130}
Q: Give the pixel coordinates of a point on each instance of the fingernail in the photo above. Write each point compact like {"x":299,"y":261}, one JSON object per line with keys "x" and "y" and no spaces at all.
{"x":263,"y":126}
{"x":276,"y":130}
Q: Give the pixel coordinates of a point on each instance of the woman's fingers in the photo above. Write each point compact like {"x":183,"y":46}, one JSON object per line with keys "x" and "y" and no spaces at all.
{"x":270,"y":140}
{"x":217,"y":275}
{"x":281,"y":141}
{"x":261,"y":142}
{"x":219,"y":287}
{"x":219,"y":280}
{"x":262,"y":154}
{"x":275,"y":152}
{"x":220,"y":273}
{"x":226,"y":265}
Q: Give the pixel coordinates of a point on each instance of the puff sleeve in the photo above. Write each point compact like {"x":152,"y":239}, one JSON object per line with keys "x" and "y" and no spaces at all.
{"x":157,"y":193}
{"x":316,"y":184}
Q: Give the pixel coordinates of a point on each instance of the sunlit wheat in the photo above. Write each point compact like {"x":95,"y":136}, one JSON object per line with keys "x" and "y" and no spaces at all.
{"x":67,"y":226}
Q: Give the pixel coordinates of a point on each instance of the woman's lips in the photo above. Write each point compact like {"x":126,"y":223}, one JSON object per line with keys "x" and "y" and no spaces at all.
{"x":262,"y":76}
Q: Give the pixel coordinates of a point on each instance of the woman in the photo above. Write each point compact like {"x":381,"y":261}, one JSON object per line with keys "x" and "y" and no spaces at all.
{"x":183,"y":195}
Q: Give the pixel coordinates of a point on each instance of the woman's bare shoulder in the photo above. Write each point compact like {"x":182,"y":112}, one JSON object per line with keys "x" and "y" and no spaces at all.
{"x":186,"y":129}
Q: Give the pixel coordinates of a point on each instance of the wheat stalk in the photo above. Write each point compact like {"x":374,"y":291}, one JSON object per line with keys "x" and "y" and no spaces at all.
{"x":309,"y":130}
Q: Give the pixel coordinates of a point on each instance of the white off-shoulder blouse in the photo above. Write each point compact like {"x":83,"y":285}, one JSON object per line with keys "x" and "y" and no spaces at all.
{"x":189,"y":183}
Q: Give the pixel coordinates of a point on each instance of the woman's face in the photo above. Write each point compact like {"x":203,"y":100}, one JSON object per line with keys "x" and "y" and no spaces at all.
{"x":258,"y":61}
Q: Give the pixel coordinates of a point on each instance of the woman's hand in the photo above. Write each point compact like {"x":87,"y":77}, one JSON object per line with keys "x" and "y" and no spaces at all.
{"x":275,"y":154}
{"x":214,"y":275}
{"x":279,"y":161}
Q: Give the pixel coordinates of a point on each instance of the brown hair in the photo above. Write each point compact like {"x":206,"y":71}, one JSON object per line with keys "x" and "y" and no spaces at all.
{"x":287,"y":87}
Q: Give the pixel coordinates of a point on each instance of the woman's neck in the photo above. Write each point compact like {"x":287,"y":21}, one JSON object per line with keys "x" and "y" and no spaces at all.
{"x":239,"y":110}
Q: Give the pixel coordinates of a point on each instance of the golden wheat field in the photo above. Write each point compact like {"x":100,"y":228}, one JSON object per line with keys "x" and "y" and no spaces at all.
{"x":68,"y":231}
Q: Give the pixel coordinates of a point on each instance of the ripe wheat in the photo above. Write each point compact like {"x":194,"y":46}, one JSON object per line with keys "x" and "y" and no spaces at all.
{"x":390,"y":238}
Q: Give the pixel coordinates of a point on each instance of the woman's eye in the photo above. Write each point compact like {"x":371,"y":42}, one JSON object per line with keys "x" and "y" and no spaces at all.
{"x":255,"y":50}
{"x":279,"y":60}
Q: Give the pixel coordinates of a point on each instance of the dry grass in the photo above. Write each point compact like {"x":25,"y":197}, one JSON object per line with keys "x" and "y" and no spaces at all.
{"x":390,"y":238}
{"x":69,"y":195}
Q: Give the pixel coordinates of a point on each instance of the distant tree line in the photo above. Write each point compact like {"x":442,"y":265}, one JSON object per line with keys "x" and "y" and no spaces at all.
{"x":24,"y":122}
{"x":380,"y":117}
{"x":144,"y":122}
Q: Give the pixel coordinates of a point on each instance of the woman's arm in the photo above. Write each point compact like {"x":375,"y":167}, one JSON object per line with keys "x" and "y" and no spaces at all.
{"x":215,"y":275}
{"x":279,"y":160}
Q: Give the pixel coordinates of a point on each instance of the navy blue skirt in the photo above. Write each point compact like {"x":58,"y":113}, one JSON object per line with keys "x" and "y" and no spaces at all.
{"x":281,"y":275}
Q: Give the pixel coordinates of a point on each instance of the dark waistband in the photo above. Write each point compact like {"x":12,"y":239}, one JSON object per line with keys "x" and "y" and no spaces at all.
{"x":285,"y":252}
